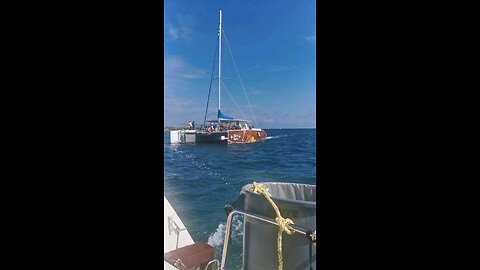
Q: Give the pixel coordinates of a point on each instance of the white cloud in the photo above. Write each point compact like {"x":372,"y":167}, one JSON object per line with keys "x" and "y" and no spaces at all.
{"x":178,"y":67}
{"x":173,"y":32}
{"x":182,"y":28}
{"x":174,"y":62}
{"x":282,"y":68}
{"x":194,"y":73}
{"x":178,"y":111}
{"x":253,"y":91}
{"x":312,"y":39}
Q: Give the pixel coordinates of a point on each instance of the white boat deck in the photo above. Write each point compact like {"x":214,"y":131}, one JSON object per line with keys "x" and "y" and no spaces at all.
{"x":170,"y":237}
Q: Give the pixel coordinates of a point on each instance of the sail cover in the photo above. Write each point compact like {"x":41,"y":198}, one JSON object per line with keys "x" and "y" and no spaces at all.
{"x":222,"y":116}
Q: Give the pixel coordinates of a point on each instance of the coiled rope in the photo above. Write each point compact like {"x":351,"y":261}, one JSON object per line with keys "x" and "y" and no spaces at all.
{"x":283,"y":223}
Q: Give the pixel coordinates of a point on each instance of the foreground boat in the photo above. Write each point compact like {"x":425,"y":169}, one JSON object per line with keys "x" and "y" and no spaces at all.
{"x":224,"y":129}
{"x":174,"y":233}
{"x":264,"y":225}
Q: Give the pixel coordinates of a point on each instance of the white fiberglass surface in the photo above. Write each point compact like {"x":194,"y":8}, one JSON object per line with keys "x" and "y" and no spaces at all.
{"x":170,"y":237}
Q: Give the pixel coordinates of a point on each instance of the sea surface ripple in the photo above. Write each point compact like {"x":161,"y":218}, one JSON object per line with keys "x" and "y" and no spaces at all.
{"x":200,"y":179}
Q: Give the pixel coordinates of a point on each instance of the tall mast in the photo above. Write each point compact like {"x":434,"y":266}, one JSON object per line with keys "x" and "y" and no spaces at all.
{"x":219,"y":61}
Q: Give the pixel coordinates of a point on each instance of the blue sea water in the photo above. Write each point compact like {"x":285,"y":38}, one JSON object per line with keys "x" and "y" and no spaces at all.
{"x":200,"y":179}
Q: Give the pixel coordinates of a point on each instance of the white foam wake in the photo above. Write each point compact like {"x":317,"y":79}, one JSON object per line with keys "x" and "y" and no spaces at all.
{"x":276,"y":137}
{"x":217,"y":237}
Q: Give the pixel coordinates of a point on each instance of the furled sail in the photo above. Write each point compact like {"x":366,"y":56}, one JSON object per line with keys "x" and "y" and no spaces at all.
{"x":222,"y":116}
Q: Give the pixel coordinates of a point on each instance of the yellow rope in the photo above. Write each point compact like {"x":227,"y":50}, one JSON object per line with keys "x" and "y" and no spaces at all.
{"x":283,"y":223}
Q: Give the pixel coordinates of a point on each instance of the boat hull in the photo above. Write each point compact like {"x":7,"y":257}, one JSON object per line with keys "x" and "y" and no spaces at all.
{"x":182,"y":136}
{"x":214,"y":137}
{"x":196,"y":136}
{"x":230,"y":136}
{"x":246,"y":136}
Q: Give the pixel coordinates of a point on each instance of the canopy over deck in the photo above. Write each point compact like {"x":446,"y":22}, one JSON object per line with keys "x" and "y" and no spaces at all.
{"x":229,"y":121}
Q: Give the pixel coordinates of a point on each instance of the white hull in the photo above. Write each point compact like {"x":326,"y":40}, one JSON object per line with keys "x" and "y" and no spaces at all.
{"x":182,"y":136}
{"x":196,"y":136}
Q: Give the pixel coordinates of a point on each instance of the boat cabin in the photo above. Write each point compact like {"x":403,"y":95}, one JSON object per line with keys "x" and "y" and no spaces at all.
{"x":228,"y":124}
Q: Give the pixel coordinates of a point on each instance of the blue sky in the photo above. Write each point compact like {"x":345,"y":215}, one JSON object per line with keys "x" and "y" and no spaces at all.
{"x":274,"y":48}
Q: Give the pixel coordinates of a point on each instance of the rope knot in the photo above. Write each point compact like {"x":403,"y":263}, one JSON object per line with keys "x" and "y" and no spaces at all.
{"x":284,"y":225}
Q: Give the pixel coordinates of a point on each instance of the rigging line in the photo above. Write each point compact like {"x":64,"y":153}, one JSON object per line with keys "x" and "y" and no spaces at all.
{"x":231,"y":97}
{"x":210,"y":88}
{"x":241,"y":82}
{"x":228,"y":92}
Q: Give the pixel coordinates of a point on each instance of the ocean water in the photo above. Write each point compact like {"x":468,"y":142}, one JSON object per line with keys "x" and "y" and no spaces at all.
{"x":200,"y":179}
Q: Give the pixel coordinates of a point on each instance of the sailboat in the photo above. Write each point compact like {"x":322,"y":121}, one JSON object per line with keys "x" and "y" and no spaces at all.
{"x":224,"y":129}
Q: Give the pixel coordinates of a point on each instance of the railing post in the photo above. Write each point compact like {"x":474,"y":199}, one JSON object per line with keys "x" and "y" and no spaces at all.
{"x":225,"y":241}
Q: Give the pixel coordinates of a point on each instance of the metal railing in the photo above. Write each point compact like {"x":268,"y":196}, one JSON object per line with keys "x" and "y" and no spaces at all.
{"x":173,"y":226}
{"x":212,"y":261}
{"x":308,"y":233}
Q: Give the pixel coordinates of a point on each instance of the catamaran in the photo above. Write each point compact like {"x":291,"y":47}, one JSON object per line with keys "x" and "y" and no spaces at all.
{"x":224,"y":129}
